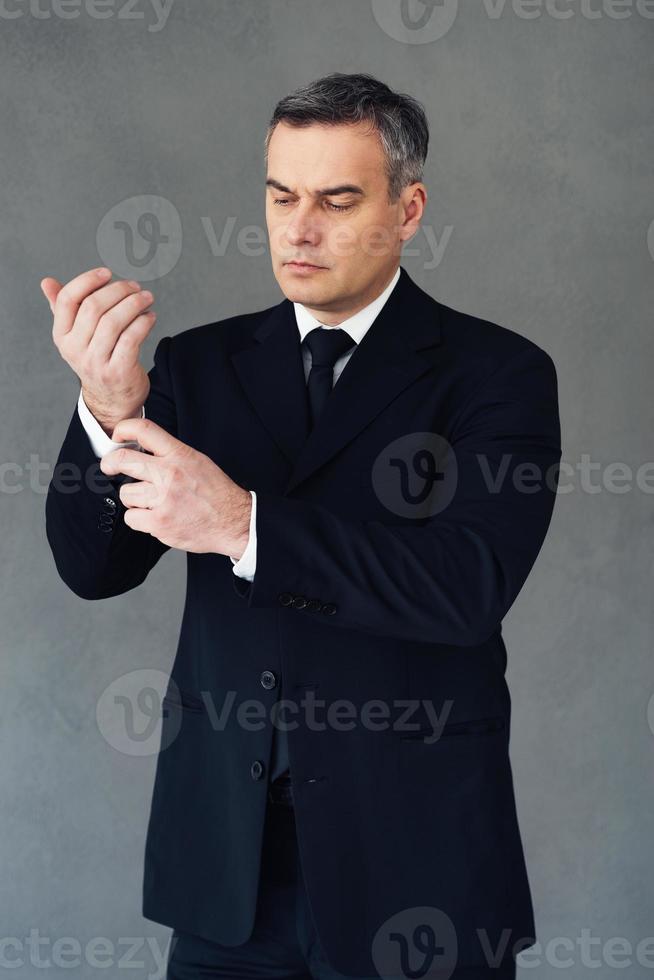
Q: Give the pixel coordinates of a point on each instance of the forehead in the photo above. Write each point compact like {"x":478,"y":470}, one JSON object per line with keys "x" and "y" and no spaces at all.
{"x":320,"y":155}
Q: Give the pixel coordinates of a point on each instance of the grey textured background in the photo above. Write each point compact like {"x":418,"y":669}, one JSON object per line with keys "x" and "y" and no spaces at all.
{"x":540,"y":167}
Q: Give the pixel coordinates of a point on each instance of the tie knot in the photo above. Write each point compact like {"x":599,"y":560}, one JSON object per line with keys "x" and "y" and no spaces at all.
{"x":327,"y":345}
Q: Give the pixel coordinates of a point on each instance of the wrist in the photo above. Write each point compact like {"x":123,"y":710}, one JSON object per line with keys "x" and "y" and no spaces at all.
{"x":108,"y":420}
{"x":241,"y":530}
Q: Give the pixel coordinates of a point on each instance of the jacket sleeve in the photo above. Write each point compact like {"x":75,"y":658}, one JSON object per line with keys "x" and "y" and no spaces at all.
{"x":447,"y":578}
{"x":96,"y":554}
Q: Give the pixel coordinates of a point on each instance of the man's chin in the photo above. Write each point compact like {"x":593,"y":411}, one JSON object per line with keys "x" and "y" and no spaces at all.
{"x":303,"y":289}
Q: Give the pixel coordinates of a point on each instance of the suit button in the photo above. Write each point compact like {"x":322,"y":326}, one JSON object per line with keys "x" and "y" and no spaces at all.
{"x":314,"y":605}
{"x":329,"y":608}
{"x":105,"y":523}
{"x":268,"y":680}
{"x":110,"y":505}
{"x":285,"y":598}
{"x":299,"y":602}
{"x":256,"y":769}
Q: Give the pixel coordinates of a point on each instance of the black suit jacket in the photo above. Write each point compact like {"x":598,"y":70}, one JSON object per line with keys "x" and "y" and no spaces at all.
{"x":355,"y":597}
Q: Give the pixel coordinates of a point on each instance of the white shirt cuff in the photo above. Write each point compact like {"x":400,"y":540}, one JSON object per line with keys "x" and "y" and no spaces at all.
{"x":101,"y":444}
{"x":246,"y":565}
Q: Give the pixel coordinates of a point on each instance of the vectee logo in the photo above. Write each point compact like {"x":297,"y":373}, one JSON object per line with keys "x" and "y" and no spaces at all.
{"x":415,"y":21}
{"x":141,"y":238}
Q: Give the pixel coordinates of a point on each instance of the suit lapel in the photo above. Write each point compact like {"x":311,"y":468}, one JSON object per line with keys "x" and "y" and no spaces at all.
{"x":385,"y":363}
{"x":272,"y":376}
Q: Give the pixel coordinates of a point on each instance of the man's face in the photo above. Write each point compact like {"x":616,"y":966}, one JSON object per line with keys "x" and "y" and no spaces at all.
{"x":327,"y":205}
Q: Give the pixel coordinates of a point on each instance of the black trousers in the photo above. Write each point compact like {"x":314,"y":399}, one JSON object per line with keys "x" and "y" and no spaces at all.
{"x":284,"y":944}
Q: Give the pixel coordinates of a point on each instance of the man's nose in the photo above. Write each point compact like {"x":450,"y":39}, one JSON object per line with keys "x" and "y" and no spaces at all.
{"x":303,"y":227}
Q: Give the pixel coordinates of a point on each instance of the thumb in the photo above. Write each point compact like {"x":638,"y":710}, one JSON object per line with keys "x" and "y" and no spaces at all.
{"x":151,"y":437}
{"x":51,"y":288}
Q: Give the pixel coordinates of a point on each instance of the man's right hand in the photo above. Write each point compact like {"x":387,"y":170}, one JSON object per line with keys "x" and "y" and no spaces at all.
{"x":98,"y":329}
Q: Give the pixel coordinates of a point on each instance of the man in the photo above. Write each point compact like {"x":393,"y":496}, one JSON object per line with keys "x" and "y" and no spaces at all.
{"x":362,"y":479}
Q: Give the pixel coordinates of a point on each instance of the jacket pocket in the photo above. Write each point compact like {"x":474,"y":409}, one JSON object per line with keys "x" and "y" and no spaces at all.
{"x":476,"y":726}
{"x":175,"y":698}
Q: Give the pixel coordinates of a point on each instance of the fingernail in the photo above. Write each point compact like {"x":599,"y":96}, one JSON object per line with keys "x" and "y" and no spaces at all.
{"x":103,"y":272}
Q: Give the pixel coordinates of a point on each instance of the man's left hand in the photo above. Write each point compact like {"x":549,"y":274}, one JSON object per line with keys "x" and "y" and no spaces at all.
{"x":183,"y":498}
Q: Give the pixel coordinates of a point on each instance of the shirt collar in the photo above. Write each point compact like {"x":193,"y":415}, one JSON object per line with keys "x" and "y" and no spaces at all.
{"x":356,"y":325}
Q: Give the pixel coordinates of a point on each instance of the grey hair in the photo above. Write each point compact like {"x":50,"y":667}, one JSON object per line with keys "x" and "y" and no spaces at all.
{"x":399,"y":119}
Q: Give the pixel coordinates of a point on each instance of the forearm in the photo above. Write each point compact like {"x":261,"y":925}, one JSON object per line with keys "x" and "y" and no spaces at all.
{"x":96,"y":554}
{"x":450,"y":582}
{"x":451,"y":577}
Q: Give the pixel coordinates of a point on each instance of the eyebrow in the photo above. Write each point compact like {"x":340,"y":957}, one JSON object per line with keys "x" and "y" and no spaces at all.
{"x":321,"y":192}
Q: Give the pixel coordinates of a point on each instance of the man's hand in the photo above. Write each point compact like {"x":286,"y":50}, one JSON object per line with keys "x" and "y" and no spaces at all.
{"x":98,"y":328}
{"x":183,"y":498}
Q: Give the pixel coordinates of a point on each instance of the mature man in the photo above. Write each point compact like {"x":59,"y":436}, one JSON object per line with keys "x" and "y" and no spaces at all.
{"x":362,"y":479}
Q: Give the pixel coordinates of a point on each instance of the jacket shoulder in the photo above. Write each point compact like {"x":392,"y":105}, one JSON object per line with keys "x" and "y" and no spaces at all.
{"x":230,"y":333}
{"x":484,"y":342}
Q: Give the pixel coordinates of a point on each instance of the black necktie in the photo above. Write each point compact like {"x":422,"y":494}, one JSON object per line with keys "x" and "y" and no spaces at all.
{"x":326,"y":346}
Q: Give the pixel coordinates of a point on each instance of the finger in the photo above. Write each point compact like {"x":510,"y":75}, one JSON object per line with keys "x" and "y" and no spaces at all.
{"x":116,"y":318}
{"x":50,"y":288}
{"x":70,"y":296}
{"x":101,"y":315}
{"x":129,"y":343}
{"x":131,"y":462}
{"x":141,"y":494}
{"x":148,"y":434}
{"x":139,"y":520}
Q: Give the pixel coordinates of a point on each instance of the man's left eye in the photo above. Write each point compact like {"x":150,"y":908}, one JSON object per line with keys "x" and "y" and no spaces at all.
{"x":340,"y":207}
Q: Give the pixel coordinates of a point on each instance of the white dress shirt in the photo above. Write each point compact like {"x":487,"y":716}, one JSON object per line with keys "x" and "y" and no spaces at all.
{"x":357,"y":327}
